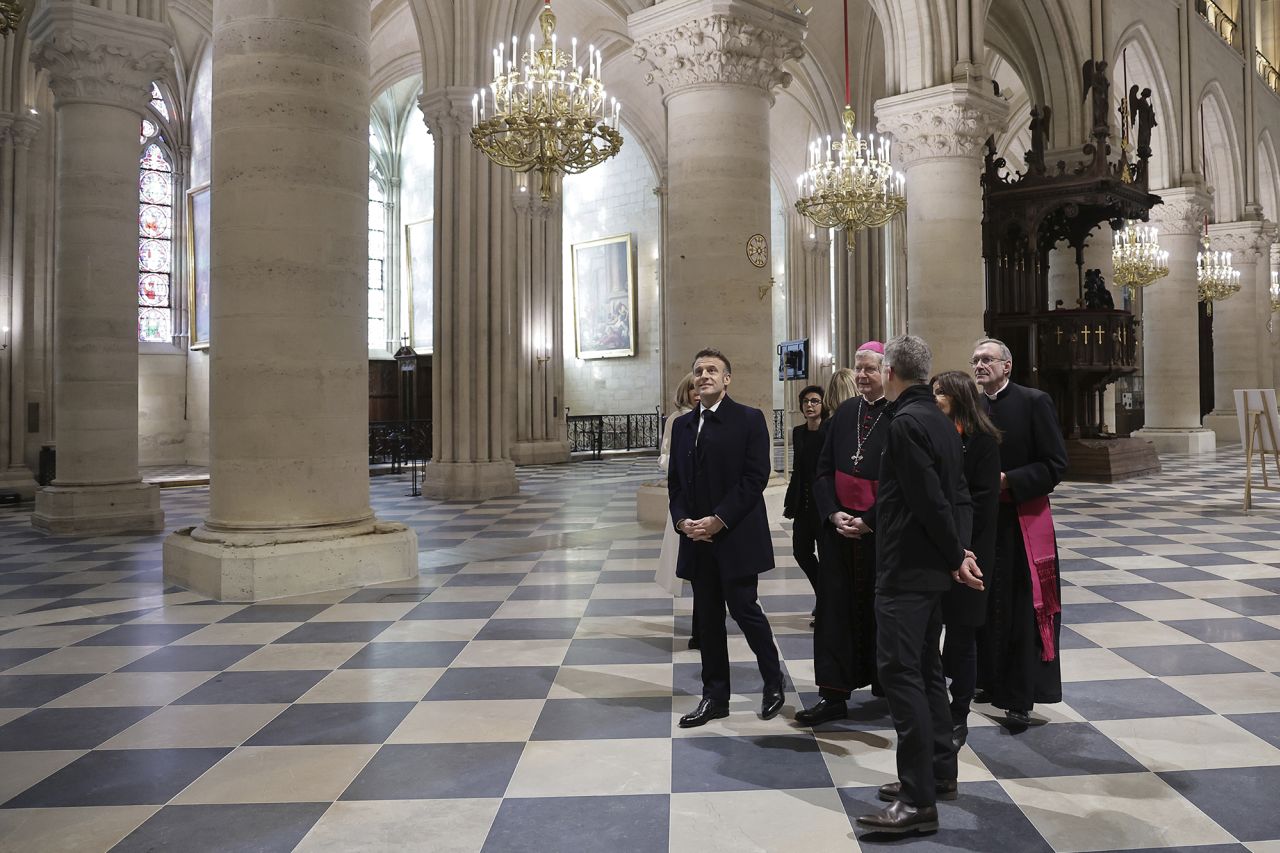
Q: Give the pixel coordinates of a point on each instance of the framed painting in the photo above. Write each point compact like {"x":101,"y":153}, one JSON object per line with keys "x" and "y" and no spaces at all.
{"x":198,"y":265}
{"x":604,"y":298}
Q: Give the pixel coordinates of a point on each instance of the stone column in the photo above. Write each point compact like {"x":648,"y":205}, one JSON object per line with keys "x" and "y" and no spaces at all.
{"x":809,"y":298}
{"x":16,"y":133}
{"x":100,"y":65}
{"x":541,"y":435}
{"x":288,"y":429}
{"x":718,"y":63}
{"x":1269,"y":376}
{"x":473,"y":364}
{"x":1170,"y":329}
{"x":1239,"y":326}
{"x":938,"y":137}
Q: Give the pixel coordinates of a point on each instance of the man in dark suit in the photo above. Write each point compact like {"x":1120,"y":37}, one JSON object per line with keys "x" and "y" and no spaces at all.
{"x":718,"y":470}
{"x":923,"y":517}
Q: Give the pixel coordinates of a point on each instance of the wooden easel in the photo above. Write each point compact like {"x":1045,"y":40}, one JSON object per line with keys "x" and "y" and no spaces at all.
{"x":1255,"y":422}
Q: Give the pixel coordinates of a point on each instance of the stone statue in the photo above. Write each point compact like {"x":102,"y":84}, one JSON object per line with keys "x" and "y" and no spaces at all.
{"x":1039,"y":131}
{"x":1094,"y":77}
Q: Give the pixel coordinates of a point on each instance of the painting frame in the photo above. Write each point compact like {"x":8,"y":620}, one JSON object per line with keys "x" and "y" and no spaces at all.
{"x":198,"y":266}
{"x":599,"y":330}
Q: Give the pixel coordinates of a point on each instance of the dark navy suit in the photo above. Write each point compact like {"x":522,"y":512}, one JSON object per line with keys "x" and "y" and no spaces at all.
{"x":723,"y":472}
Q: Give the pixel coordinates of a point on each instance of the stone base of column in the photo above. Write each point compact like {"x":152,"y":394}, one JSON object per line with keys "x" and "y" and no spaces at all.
{"x":1224,"y":425}
{"x":653,"y":505}
{"x":1179,"y":440}
{"x":249,"y":570}
{"x":470,"y":481}
{"x":539,"y":452}
{"x":19,"y":480}
{"x":86,"y":510}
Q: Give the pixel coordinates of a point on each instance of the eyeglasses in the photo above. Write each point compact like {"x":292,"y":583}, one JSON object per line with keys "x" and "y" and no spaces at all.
{"x":812,"y":401}
{"x":985,"y":359}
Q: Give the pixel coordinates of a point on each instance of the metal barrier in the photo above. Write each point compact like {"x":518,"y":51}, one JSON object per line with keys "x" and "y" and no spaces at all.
{"x":595,"y":434}
{"x":403,"y":445}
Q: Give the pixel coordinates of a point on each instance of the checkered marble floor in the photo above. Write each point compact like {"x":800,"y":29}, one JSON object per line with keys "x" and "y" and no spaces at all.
{"x":522,"y":693}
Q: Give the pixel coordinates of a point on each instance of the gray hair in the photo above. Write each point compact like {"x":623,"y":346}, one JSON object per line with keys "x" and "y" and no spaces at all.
{"x":879,"y":357}
{"x":910,"y":358}
{"x":1004,"y":350}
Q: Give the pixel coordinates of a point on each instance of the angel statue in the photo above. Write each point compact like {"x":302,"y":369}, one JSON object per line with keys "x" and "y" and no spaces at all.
{"x":1094,"y":78}
{"x":1143,"y":115}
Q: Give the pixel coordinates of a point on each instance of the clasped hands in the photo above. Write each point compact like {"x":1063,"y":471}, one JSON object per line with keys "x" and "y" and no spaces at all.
{"x":849,"y":526}
{"x":701,"y":529}
{"x":968,"y":574}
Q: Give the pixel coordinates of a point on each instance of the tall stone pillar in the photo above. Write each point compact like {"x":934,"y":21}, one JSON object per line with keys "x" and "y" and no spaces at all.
{"x":541,"y":435}
{"x":16,"y":133}
{"x":473,"y":364}
{"x":1239,"y":326}
{"x":1170,"y":329}
{"x":938,"y":136}
{"x":718,"y":63}
{"x":1269,"y":375}
{"x":288,"y":427}
{"x":100,"y":65}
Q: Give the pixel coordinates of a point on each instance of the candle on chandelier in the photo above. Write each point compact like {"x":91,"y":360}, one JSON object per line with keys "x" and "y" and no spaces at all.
{"x":475,"y":109}
{"x":573,"y":43}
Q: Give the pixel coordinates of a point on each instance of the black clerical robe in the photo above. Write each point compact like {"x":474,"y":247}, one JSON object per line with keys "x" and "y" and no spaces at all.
{"x":844,"y":647}
{"x":1033,"y":458}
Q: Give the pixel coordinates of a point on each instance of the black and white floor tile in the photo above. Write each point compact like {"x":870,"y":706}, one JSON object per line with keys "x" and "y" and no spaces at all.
{"x":522,"y":693}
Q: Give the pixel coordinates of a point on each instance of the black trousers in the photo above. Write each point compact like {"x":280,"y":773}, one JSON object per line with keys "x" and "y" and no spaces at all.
{"x":712,"y":593}
{"x":804,"y":543}
{"x":960,"y":664}
{"x":909,"y":626}
{"x":844,"y":639}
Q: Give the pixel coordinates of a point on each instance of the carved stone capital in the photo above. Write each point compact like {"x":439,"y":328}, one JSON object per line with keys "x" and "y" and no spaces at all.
{"x":1248,"y":242}
{"x":447,"y":111}
{"x":686,"y":44}
{"x":951,"y":121}
{"x":1182,"y":210}
{"x":99,"y":57}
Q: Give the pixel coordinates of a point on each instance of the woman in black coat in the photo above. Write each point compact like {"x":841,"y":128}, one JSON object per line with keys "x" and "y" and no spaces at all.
{"x":964,"y":609}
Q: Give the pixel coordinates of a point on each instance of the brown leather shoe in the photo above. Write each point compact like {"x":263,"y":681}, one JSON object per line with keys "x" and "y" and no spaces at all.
{"x":945,"y":790}
{"x":898,"y":818}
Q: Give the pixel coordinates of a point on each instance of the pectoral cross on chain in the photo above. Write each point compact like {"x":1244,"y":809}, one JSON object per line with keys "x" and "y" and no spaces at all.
{"x":857,"y":458}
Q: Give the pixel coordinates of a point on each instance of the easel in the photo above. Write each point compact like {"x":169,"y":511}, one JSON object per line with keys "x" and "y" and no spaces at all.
{"x":1256,"y":420}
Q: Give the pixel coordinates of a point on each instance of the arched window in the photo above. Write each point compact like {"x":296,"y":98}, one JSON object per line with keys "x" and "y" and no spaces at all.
{"x":378,"y":333}
{"x":155,"y":226}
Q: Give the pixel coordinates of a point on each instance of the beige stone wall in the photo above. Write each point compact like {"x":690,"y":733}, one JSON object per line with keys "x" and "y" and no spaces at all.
{"x":162,"y":427}
{"x":616,"y":198}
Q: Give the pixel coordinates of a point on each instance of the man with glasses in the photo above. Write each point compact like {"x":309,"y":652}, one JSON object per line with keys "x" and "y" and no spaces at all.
{"x":798,"y":505}
{"x":1018,"y":648}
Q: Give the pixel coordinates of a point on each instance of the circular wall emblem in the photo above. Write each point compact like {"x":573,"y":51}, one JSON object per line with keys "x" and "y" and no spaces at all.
{"x":758,"y":250}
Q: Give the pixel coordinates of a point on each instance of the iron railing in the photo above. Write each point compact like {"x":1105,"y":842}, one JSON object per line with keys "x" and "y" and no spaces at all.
{"x":595,"y":434}
{"x":1222,"y":23}
{"x":779,"y":424}
{"x":1267,"y":72}
{"x":399,"y":442}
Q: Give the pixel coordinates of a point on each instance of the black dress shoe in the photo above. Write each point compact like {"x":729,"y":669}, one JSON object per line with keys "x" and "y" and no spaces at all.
{"x":982,"y":697}
{"x":898,"y":817}
{"x":706,"y":711}
{"x":771,"y":704}
{"x":694,"y":644}
{"x":825,"y":710}
{"x":1022,"y":719}
{"x":945,"y":790}
{"x":959,"y":735}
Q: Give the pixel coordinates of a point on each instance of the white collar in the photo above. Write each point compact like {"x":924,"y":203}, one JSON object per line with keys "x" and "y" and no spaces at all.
{"x":998,"y":390}
{"x":702,"y":408}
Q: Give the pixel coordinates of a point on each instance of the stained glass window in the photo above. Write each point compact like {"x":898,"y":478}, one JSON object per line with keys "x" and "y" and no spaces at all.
{"x":377,"y":265}
{"x":155,"y":229}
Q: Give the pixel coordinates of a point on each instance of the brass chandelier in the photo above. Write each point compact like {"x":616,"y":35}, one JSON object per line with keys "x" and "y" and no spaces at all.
{"x":1137,"y":258}
{"x":10,"y":16}
{"x":543,"y":112}
{"x":850,"y":183}
{"x":1216,"y":278}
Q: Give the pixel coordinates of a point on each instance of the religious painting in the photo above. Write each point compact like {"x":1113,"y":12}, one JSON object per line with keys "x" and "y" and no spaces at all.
{"x":604,"y":298}
{"x":198,"y":264}
{"x":418,"y":261}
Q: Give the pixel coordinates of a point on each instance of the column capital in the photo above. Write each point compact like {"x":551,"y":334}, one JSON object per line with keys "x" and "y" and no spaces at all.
{"x":18,"y":130}
{"x":447,"y":110}
{"x":949,"y":121}
{"x":1182,"y":210}
{"x":1248,"y":240}
{"x":98,"y":57}
{"x":688,"y":44}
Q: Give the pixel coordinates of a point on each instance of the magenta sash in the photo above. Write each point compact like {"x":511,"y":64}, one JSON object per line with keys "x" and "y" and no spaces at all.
{"x":1042,"y":560}
{"x":854,"y":492}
